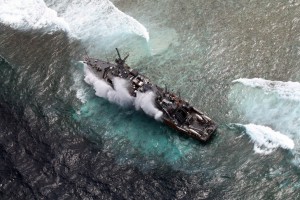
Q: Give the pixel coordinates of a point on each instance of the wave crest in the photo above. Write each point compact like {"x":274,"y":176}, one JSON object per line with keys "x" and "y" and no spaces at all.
{"x":32,"y":14}
{"x":286,"y":90}
{"x":267,"y":140}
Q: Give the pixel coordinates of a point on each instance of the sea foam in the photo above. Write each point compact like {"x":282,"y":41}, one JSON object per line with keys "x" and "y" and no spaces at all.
{"x":265,"y":102}
{"x":31,"y":14}
{"x":268,"y":103}
{"x":286,"y":90}
{"x":90,"y":20}
{"x":95,"y":20}
{"x":101,"y":87}
{"x":119,"y":94}
{"x":145,"y":101}
{"x":266,"y":140}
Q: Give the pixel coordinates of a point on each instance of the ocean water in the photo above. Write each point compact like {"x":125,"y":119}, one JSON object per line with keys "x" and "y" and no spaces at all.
{"x":237,"y":61}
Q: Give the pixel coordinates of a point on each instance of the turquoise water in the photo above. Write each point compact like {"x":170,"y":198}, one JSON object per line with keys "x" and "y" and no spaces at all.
{"x":196,"y":48}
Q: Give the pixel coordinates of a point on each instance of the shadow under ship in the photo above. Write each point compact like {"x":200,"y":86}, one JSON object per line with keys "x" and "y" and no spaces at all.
{"x":177,"y":113}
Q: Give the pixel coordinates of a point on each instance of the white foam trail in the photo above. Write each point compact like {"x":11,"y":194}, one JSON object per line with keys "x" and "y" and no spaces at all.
{"x":286,"y":90}
{"x":267,"y":140}
{"x":120,"y":95}
{"x":81,"y":95}
{"x":30,"y":14}
{"x":145,"y":101}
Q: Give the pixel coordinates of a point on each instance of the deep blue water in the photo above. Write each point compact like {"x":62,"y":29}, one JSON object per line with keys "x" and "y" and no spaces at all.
{"x":58,"y":140}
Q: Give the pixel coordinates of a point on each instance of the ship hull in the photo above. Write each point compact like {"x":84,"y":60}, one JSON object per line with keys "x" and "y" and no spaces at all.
{"x":174,"y":111}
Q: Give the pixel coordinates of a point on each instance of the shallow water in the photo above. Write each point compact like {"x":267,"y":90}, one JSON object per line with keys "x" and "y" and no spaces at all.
{"x":59,"y":140}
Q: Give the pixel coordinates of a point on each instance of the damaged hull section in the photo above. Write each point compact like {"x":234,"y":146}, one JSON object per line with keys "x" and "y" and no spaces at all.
{"x":173,"y":111}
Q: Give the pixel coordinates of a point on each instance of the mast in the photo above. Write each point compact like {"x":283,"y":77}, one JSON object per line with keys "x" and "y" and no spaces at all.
{"x":118,"y":54}
{"x":120,"y":60}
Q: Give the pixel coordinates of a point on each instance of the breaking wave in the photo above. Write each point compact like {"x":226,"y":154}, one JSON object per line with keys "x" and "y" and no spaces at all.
{"x":285,"y":90}
{"x":145,"y":101}
{"x":265,"y":139}
{"x":32,"y":14}
{"x":271,"y":103}
{"x":88,"y":20}
{"x":98,"y":22}
{"x":120,"y":95}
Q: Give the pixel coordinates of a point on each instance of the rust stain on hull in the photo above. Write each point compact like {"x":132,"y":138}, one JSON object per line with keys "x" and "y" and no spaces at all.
{"x":176,"y":112}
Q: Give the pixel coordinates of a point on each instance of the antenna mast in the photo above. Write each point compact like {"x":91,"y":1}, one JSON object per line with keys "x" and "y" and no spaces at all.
{"x":118,"y":54}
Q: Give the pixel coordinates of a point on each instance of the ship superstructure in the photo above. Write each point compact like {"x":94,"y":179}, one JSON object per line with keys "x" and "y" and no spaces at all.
{"x":176,"y":112}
